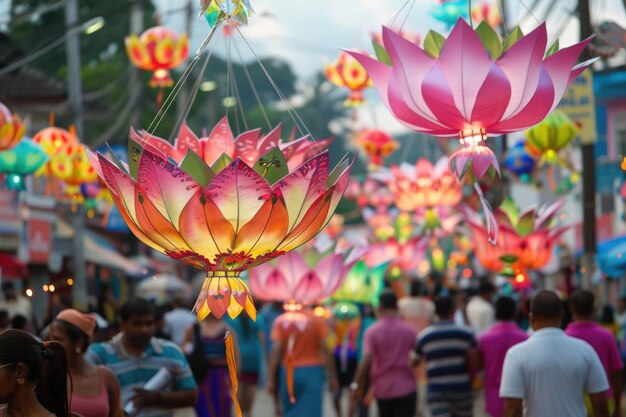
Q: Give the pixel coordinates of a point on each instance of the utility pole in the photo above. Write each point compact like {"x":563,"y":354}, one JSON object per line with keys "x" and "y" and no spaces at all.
{"x":74,"y":81}
{"x":79,"y":288}
{"x":183,"y":93}
{"x":589,"y":169}
{"x":136,"y":85}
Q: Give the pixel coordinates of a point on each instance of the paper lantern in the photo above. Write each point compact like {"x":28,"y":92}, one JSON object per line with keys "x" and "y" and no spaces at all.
{"x":347,"y":72}
{"x":217,"y":10}
{"x":12,"y":129}
{"x":526,"y":240}
{"x":471,"y":85}
{"x":449,"y":12}
{"x":519,"y":162}
{"x":376,"y":144}
{"x":23,"y":159}
{"x":547,"y":139}
{"x":489,"y":12}
{"x":362,"y":285}
{"x":53,"y":139}
{"x":223,"y":216}
{"x":72,"y":166}
{"x":159,"y":50}
{"x":402,"y":257}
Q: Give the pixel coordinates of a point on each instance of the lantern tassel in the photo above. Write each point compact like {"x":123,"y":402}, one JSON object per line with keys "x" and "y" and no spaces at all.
{"x":490,"y":219}
{"x":232,"y":370}
{"x":289,"y":370}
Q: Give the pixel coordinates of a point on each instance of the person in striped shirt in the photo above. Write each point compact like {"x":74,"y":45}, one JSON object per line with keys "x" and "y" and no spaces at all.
{"x":447,"y":349}
{"x":135,"y":356}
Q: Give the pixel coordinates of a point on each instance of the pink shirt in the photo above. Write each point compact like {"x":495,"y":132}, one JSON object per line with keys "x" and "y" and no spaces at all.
{"x":493,"y":345}
{"x":602,"y":341}
{"x":390,"y":341}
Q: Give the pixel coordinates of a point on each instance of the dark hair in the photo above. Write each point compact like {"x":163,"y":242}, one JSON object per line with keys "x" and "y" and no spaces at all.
{"x":19,"y":322}
{"x":47,"y":367}
{"x":485,"y":287}
{"x":505,"y":308}
{"x":546,"y":305}
{"x":417,"y":288}
{"x":444,"y":306}
{"x":582,"y":302}
{"x":388,"y":299}
{"x":136,"y":306}
{"x":74,"y":334}
{"x":159,"y":313}
{"x":607,"y":315}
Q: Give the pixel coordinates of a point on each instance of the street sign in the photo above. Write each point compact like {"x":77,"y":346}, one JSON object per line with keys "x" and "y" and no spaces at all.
{"x":579,"y":105}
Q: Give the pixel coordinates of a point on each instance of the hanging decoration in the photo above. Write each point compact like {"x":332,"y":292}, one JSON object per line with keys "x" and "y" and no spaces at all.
{"x":519,"y":162}
{"x":376,"y":144}
{"x":550,"y":137}
{"x":473,"y":85}
{"x":53,"y":139}
{"x":362,"y":285}
{"x":347,"y":72}
{"x":23,"y":159}
{"x":526,"y":241}
{"x":449,"y":12}
{"x":237,"y":11}
{"x":488,"y":12}
{"x":72,"y":166}
{"x":12,"y":129}
{"x":195,"y":203}
{"x":159,"y":50}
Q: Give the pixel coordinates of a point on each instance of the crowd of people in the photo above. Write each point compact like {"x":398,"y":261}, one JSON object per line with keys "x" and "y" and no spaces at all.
{"x":420,"y":355}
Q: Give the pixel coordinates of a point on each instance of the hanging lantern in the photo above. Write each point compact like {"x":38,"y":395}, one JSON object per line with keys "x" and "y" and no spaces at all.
{"x":12,"y":129}
{"x":519,"y":162}
{"x":526,"y":240}
{"x":347,"y":72}
{"x":376,"y":144}
{"x":72,"y":166}
{"x":362,"y":285}
{"x":449,"y":12}
{"x":53,"y":139}
{"x":488,"y":12}
{"x":219,"y":214}
{"x":230,"y":10}
{"x":547,"y":139}
{"x":471,"y":85}
{"x":159,"y":50}
{"x":22,"y":160}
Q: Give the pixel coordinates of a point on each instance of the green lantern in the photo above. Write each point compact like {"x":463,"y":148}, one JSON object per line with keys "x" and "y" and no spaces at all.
{"x":362,"y":284}
{"x":23,"y":159}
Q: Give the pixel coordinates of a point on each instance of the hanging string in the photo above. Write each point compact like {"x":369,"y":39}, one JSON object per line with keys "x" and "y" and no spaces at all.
{"x":239,"y":102}
{"x":407,"y":15}
{"x":228,"y":71}
{"x":469,"y":13}
{"x":529,"y":11}
{"x":254,"y":90}
{"x":290,"y":110}
{"x":502,"y":17}
{"x":393,"y":19}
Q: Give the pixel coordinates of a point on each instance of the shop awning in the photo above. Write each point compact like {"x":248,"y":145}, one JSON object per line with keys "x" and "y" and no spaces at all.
{"x":11,"y":267}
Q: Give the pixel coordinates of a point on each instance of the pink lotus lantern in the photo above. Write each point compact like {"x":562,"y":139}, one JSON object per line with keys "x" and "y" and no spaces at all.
{"x":526,"y":240}
{"x":471,"y":86}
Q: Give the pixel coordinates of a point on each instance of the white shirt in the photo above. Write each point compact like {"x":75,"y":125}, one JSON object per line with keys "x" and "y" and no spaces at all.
{"x":480,"y":314}
{"x":18,"y":306}
{"x":550,"y":371}
{"x":176,"y":323}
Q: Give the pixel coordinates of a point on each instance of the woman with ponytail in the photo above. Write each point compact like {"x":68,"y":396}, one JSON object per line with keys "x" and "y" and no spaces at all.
{"x":32,"y":376}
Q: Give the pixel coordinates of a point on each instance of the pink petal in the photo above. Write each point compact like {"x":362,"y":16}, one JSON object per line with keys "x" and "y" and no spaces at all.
{"x":220,"y":141}
{"x":440,"y":98}
{"x":492,"y":100}
{"x":465,"y":64}
{"x":188,"y":140}
{"x":481,"y":161}
{"x":522,"y":64}
{"x":490,"y":219}
{"x":246,"y":146}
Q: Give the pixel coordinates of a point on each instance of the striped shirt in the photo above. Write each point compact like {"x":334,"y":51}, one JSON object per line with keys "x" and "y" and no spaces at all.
{"x":445,"y":346}
{"x":135,"y":371}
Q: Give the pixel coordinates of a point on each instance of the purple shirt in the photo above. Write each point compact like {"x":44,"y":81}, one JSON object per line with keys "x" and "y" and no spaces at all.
{"x":493,"y":345}
{"x":602,"y":341}
{"x":390,"y":341}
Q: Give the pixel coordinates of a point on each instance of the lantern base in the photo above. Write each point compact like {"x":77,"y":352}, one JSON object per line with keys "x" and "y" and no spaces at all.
{"x":224,"y":292}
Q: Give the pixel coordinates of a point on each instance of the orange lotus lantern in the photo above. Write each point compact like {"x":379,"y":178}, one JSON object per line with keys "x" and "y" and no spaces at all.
{"x":11,"y":128}
{"x":376,"y":144}
{"x":347,"y":72}
{"x":72,"y":166}
{"x":159,"y":50}
{"x":53,"y":140}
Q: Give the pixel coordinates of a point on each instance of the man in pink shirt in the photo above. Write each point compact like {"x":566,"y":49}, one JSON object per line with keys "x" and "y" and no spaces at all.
{"x":585,"y":328}
{"x":492,"y":347}
{"x":387,"y":347}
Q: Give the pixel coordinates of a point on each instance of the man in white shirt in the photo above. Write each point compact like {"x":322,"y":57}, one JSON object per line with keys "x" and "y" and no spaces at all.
{"x":480,"y":312}
{"x":178,"y":320}
{"x":548,"y":374}
{"x":15,"y":304}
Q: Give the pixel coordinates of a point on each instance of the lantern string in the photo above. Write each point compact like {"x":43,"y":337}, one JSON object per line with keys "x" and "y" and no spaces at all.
{"x":529,"y":11}
{"x":299,"y":123}
{"x":502,"y":17}
{"x":393,"y":19}
{"x":469,"y":13}
{"x":254,"y":90}
{"x":239,"y":101}
{"x":407,"y":15}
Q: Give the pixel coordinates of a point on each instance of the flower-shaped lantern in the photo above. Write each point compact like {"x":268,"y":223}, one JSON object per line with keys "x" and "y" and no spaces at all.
{"x":547,"y":139}
{"x":23,"y":159}
{"x":471,"y":86}
{"x":237,"y":11}
{"x":362,"y":285}
{"x":12,"y":129}
{"x":526,"y":240}
{"x":159,"y":50}
{"x":376,"y":144}
{"x":449,"y":11}
{"x":72,"y":166}
{"x":224,"y":205}
{"x":54,"y":139}
{"x":489,"y":12}
{"x":347,"y":72}
{"x":519,"y":162}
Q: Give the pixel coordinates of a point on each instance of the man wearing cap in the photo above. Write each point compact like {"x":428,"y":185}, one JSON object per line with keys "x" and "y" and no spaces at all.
{"x":136,"y":357}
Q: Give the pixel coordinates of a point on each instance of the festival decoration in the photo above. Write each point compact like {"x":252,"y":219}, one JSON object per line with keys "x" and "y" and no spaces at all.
{"x":376,"y":144}
{"x":23,"y":159}
{"x":159,"y":50}
{"x":547,"y":139}
{"x":449,"y":12}
{"x":362,"y":285}
{"x":487,"y":12}
{"x":347,"y":72}
{"x":519,"y":162}
{"x":219,"y":214}
{"x":526,"y":241}
{"x":53,"y":139}
{"x":237,"y":11}
{"x":12,"y":129}
{"x":71,"y":165}
{"x":473,"y":85}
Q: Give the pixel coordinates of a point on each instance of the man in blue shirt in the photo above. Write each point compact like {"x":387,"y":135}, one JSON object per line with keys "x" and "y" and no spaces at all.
{"x":135,"y":356}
